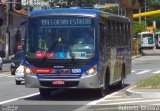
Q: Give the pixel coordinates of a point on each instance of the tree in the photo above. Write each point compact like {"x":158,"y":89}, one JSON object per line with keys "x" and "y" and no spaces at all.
{"x":138,"y":27}
{"x":154,"y":18}
{"x":153,"y":5}
{"x":71,"y":3}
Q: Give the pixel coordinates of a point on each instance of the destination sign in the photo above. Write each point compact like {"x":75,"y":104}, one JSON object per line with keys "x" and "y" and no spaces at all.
{"x":65,"y":22}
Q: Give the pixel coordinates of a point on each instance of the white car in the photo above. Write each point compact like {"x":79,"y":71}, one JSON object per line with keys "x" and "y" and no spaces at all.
{"x":19,"y":75}
{"x":1,"y":64}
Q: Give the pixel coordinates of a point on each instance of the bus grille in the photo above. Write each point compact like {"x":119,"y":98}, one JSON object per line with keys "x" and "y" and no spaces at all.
{"x":49,"y":76}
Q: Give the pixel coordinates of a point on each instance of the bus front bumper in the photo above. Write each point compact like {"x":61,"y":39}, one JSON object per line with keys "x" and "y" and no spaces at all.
{"x":92,"y":81}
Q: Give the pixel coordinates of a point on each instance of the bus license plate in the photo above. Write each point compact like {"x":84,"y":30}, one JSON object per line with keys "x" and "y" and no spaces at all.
{"x":58,"y":82}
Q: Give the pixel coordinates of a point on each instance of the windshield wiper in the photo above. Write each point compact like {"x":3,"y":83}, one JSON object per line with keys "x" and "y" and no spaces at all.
{"x":45,"y":54}
{"x":51,"y":48}
{"x":72,"y":56}
{"x":59,"y":40}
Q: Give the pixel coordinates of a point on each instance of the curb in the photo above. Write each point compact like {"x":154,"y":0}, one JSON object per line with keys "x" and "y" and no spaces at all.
{"x":146,"y":94}
{"x":134,"y":57}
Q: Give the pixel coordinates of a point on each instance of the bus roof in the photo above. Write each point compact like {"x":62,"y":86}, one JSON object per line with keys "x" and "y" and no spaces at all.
{"x":74,"y":11}
{"x":157,"y":32}
{"x":147,"y":32}
{"x":65,"y":11}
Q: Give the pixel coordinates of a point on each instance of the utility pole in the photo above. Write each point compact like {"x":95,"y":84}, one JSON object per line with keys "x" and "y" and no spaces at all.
{"x":7,"y":32}
{"x":145,"y":8}
{"x":140,"y":15}
{"x":118,"y":6}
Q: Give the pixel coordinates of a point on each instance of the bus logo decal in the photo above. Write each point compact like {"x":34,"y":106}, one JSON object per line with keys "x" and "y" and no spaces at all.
{"x":79,"y":54}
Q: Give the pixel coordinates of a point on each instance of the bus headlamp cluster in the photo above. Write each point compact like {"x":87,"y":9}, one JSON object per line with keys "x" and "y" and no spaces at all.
{"x":27,"y":70}
{"x":91,"y":71}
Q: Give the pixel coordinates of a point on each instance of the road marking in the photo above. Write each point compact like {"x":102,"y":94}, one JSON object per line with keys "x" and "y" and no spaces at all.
{"x":123,"y":99}
{"x":156,"y":72}
{"x":133,"y":71}
{"x":15,"y":99}
{"x":103,"y":109}
{"x":83,"y":108}
{"x":115,"y":97}
{"x":142,"y":72}
{"x":127,"y":102}
{"x":5,"y":75}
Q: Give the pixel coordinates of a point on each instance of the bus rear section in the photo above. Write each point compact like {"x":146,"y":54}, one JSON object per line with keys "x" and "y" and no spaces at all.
{"x":146,"y":40}
{"x":157,"y":40}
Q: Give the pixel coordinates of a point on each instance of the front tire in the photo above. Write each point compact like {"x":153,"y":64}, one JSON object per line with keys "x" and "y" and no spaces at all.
{"x":44,"y":92}
{"x":121,"y":83}
{"x":18,"y":82}
{"x":12,"y":71}
{"x":103,"y":91}
{"x":1,"y":67}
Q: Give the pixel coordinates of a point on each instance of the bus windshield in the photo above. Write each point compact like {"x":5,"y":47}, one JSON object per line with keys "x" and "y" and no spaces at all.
{"x":147,"y":35}
{"x":61,"y":38}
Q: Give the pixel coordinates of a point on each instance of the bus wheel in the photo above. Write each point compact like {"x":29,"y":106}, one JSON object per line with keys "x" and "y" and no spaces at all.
{"x":121,"y":83}
{"x":103,"y":91}
{"x":18,"y":82}
{"x":44,"y":92}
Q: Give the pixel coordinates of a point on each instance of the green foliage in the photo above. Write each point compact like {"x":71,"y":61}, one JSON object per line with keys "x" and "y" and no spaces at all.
{"x":153,"y":5}
{"x":154,"y":18}
{"x":158,"y":30}
{"x":150,"y":83}
{"x":71,"y":3}
{"x":113,"y":10}
{"x":138,"y":27}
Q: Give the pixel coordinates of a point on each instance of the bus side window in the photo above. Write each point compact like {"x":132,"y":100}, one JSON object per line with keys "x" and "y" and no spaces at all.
{"x":117,"y":33}
{"x":102,"y":33}
{"x":108,"y":34}
{"x":120,"y":33}
{"x":126,"y":34}
{"x":113,"y":42}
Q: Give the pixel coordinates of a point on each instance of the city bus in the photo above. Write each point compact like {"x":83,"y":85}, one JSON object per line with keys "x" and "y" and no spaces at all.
{"x":146,"y":40}
{"x":157,"y":40}
{"x":58,"y":56}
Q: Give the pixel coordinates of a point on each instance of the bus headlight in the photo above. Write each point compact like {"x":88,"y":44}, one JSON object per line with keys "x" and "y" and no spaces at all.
{"x":91,"y":71}
{"x":18,"y":71}
{"x":27,"y":70}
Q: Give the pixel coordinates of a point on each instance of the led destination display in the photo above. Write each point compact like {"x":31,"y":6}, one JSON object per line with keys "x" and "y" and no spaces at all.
{"x":65,"y":22}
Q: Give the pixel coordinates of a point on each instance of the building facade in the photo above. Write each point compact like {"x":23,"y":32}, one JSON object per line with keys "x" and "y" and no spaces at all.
{"x":15,"y":18}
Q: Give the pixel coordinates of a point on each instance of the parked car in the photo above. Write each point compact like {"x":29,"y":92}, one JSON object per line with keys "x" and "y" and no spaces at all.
{"x":19,"y":75}
{"x":16,"y":61}
{"x":1,"y":64}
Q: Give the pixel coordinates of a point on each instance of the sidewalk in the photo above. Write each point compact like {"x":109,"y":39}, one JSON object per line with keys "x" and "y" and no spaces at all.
{"x":143,"y":93}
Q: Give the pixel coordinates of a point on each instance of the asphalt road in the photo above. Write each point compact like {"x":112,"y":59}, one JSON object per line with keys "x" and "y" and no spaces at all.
{"x":18,"y":98}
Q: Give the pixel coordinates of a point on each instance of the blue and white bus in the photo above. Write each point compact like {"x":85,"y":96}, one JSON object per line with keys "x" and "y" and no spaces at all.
{"x":58,"y":56}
